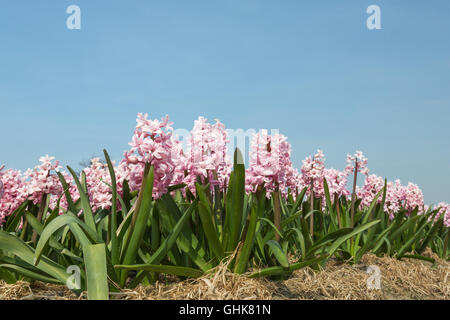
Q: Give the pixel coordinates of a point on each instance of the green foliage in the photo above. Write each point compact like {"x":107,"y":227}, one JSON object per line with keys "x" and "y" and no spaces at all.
{"x":187,"y":235}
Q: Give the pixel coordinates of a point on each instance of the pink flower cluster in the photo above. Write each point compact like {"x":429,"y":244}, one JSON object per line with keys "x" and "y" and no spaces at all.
{"x":413,"y":198}
{"x":357,"y":160}
{"x":152,"y":143}
{"x":42,"y":180}
{"x":270,"y":164}
{"x":398,"y":196}
{"x":372,"y":186}
{"x":312,"y":173}
{"x":443,"y":210}
{"x":337,"y":182}
{"x":208,"y":155}
{"x":2,"y":189}
{"x":98,"y":183}
{"x":13,"y":192}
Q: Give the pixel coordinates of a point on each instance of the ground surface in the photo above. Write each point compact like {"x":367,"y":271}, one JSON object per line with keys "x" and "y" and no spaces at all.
{"x":405,"y":279}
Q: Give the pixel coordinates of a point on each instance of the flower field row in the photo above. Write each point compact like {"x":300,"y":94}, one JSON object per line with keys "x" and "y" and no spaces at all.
{"x":166,"y":210}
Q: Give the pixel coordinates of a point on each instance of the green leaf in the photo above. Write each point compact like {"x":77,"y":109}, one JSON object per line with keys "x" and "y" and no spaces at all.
{"x":278,"y":252}
{"x":244,"y":254}
{"x":187,"y":241}
{"x":419,"y":257}
{"x":275,"y":271}
{"x":348,"y":236}
{"x":17,"y":247}
{"x":124,"y":226}
{"x":299,"y":240}
{"x":84,"y":198}
{"x":291,"y":219}
{"x":398,"y":231}
{"x":431,"y":234}
{"x":30,"y":274}
{"x":8,"y":276}
{"x":171,"y":239}
{"x":366,"y":218}
{"x":204,"y":211}
{"x":410,"y":241}
{"x":270,"y":223}
{"x":13,"y":223}
{"x":298,"y":202}
{"x":34,"y":223}
{"x":176,"y":187}
{"x":96,"y":271}
{"x":113,"y":214}
{"x":235,"y":202}
{"x":174,"y":270}
{"x":328,"y":198}
{"x":66,"y":187}
{"x":328,"y":238}
{"x":139,"y":221}
{"x":65,"y":220}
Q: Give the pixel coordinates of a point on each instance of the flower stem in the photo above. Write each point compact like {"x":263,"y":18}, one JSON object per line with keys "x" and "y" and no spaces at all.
{"x":277,"y":213}
{"x":338,"y":209}
{"x":311,"y":219}
{"x":354,"y":194}
{"x":447,"y":239}
{"x":42,"y":207}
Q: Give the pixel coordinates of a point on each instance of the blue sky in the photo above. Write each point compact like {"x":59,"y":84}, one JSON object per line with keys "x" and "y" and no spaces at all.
{"x":310,"y":68}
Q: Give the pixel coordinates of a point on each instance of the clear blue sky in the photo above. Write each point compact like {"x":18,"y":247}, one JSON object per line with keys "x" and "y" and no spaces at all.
{"x":310,"y":68}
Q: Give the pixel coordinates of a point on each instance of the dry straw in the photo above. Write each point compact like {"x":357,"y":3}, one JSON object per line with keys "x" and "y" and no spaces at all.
{"x":400,"y":279}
